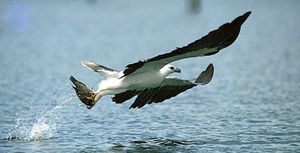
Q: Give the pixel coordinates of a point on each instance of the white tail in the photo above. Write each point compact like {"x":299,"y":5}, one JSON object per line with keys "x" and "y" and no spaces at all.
{"x":102,"y":70}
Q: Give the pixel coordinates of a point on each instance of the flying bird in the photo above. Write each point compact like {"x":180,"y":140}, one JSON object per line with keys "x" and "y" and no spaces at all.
{"x":149,"y":79}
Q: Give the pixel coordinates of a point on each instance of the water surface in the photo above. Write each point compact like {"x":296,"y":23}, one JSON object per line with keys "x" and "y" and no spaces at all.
{"x":251,"y":105}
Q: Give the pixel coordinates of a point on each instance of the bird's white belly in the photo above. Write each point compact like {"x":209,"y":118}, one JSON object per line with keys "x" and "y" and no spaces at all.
{"x":131,"y":82}
{"x":143,"y":80}
{"x":111,"y":86}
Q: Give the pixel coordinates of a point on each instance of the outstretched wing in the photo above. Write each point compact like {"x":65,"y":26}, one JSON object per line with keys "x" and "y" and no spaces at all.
{"x":102,"y":70}
{"x":210,"y":44}
{"x":124,"y":96}
{"x":169,"y":88}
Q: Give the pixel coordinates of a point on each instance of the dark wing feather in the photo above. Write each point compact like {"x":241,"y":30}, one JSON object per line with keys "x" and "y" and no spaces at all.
{"x":158,"y":94}
{"x":171,"y":87}
{"x":143,"y":98}
{"x":122,"y":97}
{"x":205,"y":76}
{"x":171,"y":91}
{"x":210,"y":44}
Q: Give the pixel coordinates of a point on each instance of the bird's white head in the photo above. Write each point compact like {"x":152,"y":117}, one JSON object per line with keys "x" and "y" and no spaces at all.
{"x":168,"y":69}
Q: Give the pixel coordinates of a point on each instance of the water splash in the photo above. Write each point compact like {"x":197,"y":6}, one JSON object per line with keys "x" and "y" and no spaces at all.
{"x":44,"y":126}
{"x":41,"y":130}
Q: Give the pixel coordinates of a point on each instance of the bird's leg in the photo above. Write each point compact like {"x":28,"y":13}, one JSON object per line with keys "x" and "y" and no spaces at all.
{"x":98,"y":95}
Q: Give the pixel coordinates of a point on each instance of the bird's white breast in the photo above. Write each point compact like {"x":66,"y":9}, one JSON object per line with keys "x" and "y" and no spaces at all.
{"x":138,"y":81}
{"x":143,"y":80}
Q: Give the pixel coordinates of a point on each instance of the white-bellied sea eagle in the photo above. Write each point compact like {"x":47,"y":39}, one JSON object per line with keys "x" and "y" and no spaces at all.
{"x":149,"y":79}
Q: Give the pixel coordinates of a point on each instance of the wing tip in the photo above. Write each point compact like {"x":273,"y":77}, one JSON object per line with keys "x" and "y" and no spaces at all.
{"x":234,"y":27}
{"x":206,"y":76}
{"x":241,"y":19}
{"x":247,"y":14}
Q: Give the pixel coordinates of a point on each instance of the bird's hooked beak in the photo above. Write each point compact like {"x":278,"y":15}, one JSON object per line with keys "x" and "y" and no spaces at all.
{"x":177,"y":70}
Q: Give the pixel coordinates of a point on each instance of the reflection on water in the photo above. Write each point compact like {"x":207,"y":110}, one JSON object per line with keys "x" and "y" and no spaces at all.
{"x":146,"y":145}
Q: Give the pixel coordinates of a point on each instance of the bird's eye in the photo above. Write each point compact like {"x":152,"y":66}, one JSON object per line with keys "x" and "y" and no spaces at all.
{"x":172,"y":68}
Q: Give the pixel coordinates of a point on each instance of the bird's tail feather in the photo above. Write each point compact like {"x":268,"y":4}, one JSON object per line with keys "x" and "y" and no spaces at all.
{"x":85,"y":95}
{"x":102,"y":70}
